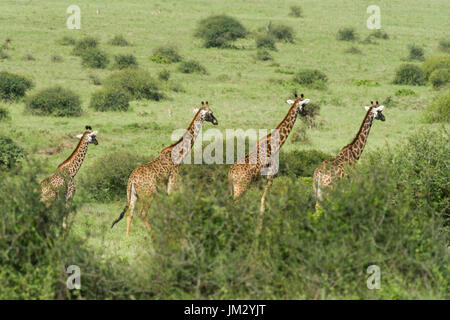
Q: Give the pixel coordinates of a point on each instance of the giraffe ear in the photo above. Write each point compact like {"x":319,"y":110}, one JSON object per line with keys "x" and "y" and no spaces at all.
{"x":367,"y":108}
{"x":303,"y":102}
{"x":289,"y":101}
{"x":94,"y":133}
{"x":79,"y":136}
{"x":380,"y":108}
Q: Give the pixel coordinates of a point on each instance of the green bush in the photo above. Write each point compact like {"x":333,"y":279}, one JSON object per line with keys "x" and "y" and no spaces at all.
{"x":106,"y":179}
{"x":164,"y":75}
{"x":379,"y":34}
{"x":67,"y":41}
{"x":138,"y":83}
{"x":431,"y":64}
{"x":416,"y":53}
{"x":263,"y":55}
{"x":191,"y":66}
{"x":311,"y":78}
{"x":123,"y":61}
{"x":4,"y":114}
{"x":347,"y":34}
{"x":296,"y":11}
{"x":110,"y":100}
{"x":301,"y":163}
{"x":444,"y":45}
{"x":281,"y":32}
{"x":220,"y":31}
{"x":166,"y":54}
{"x":405,"y":92}
{"x":95,"y":80}
{"x":10,"y":153}
{"x":84,"y":44}
{"x":309,"y":113}
{"x":439,"y":109}
{"x":409,"y":74}
{"x":439,"y":77}
{"x":94,"y":58}
{"x":265,"y":41}
{"x":55,"y":101}
{"x":13,"y":86}
{"x":119,"y":40}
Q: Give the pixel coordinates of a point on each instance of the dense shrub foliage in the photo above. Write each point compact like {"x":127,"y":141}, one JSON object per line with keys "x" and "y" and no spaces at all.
{"x":295,"y":11}
{"x":409,"y":74}
{"x":191,"y":66}
{"x":164,"y":75}
{"x":263,"y":55}
{"x":56,"y":101}
{"x":166,"y":54}
{"x":123,"y":61}
{"x":431,"y":64}
{"x":444,"y":45}
{"x":138,"y":83}
{"x":67,"y":41}
{"x":281,"y":32}
{"x":416,"y":53}
{"x":13,"y":86}
{"x":83,"y":45}
{"x":439,"y":109}
{"x":301,"y":163}
{"x":311,"y":78}
{"x":440,"y":77}
{"x":220,"y":31}
{"x":119,"y":40}
{"x":94,"y":58}
{"x":106,"y":179}
{"x":110,"y":100}
{"x":347,"y":34}
{"x":10,"y":153}
{"x":266,"y":41}
{"x":379,"y":34}
{"x":4,"y":114}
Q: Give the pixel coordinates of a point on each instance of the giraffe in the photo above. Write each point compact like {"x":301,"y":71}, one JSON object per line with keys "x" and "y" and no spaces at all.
{"x":248,"y":168}
{"x":335,"y":168}
{"x":62,"y":179}
{"x":144,"y":180}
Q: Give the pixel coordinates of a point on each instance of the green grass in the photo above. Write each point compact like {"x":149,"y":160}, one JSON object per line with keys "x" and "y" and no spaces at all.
{"x":248,"y":98}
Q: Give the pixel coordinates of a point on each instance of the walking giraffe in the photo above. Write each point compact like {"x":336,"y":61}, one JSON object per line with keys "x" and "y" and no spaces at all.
{"x":250,"y":167}
{"x":144,"y":180}
{"x":62,"y":179}
{"x":335,"y":168}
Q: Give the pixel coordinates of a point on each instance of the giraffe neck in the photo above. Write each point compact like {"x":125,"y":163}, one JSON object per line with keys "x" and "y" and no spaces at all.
{"x":181,"y":148}
{"x":72,"y":164}
{"x":356,"y":147}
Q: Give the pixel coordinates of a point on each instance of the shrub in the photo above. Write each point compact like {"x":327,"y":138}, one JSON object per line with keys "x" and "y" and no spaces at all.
{"x":379,"y":34}
{"x":444,"y":45}
{"x":296,"y":11}
{"x":4,"y":114}
{"x":55,"y":101}
{"x":263,"y":55}
{"x":367,"y":83}
{"x":439,"y":77}
{"x":95,"y":80}
{"x":10,"y":153}
{"x":119,"y":40}
{"x":67,"y":41}
{"x":110,"y":100}
{"x":309,"y":113}
{"x":94,"y":58}
{"x":409,"y":74}
{"x":301,"y":163}
{"x":84,"y":44}
{"x":416,"y":53}
{"x":281,"y":32}
{"x":138,"y":83}
{"x":438,"y":110}
{"x":13,"y":86}
{"x":300,"y":134}
{"x":353,"y":50}
{"x":265,"y":41}
{"x":164,"y":75}
{"x":405,"y":92}
{"x":431,"y":64}
{"x":28,"y":57}
{"x":106,"y":179}
{"x":219,"y":31}
{"x":191,"y":66}
{"x":311,"y":78}
{"x":123,"y":61}
{"x":347,"y":34}
{"x":165,"y":55}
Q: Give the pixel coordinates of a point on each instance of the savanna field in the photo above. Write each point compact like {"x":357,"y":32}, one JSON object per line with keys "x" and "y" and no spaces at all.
{"x":136,"y":70}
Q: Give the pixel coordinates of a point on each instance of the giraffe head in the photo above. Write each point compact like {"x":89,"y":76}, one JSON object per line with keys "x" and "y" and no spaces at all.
{"x":376,"y":110}
{"x":301,"y":103}
{"x":91,"y":136}
{"x":206,"y":114}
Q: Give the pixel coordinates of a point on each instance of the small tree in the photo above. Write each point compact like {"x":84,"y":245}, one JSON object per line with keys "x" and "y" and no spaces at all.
{"x":219,"y":31}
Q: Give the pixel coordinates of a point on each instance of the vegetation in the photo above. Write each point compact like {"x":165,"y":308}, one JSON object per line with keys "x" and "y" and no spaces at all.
{"x":433,"y":63}
{"x":166,"y":54}
{"x":10,"y":153}
{"x":438,"y":110}
{"x":220,"y":31}
{"x":353,"y":50}
{"x":13,"y":86}
{"x":311,"y":78}
{"x":281,"y":32}
{"x":119,"y":40}
{"x":296,"y":11}
{"x":444,"y":45}
{"x":347,"y":34}
{"x":416,"y":53}
{"x":440,"y":77}
{"x":4,"y":114}
{"x":266,"y":41}
{"x":110,"y":100}
{"x":379,"y":34}
{"x":67,"y":41}
{"x":164,"y":75}
{"x":55,"y":101}
{"x":95,"y":58}
{"x":409,"y":74}
{"x":84,"y":44}
{"x":263,"y":55}
{"x":191,"y":66}
{"x":123,"y":61}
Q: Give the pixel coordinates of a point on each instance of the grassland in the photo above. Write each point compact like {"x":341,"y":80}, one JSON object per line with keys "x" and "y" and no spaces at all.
{"x":243,"y":92}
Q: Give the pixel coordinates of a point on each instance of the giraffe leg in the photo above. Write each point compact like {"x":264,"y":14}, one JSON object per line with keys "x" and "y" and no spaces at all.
{"x":143,"y":216}
{"x":130,"y":211}
{"x":173,"y":183}
{"x":263,"y":205}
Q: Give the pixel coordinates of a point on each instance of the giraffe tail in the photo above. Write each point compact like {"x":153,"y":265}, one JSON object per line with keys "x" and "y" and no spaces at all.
{"x":121,"y":216}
